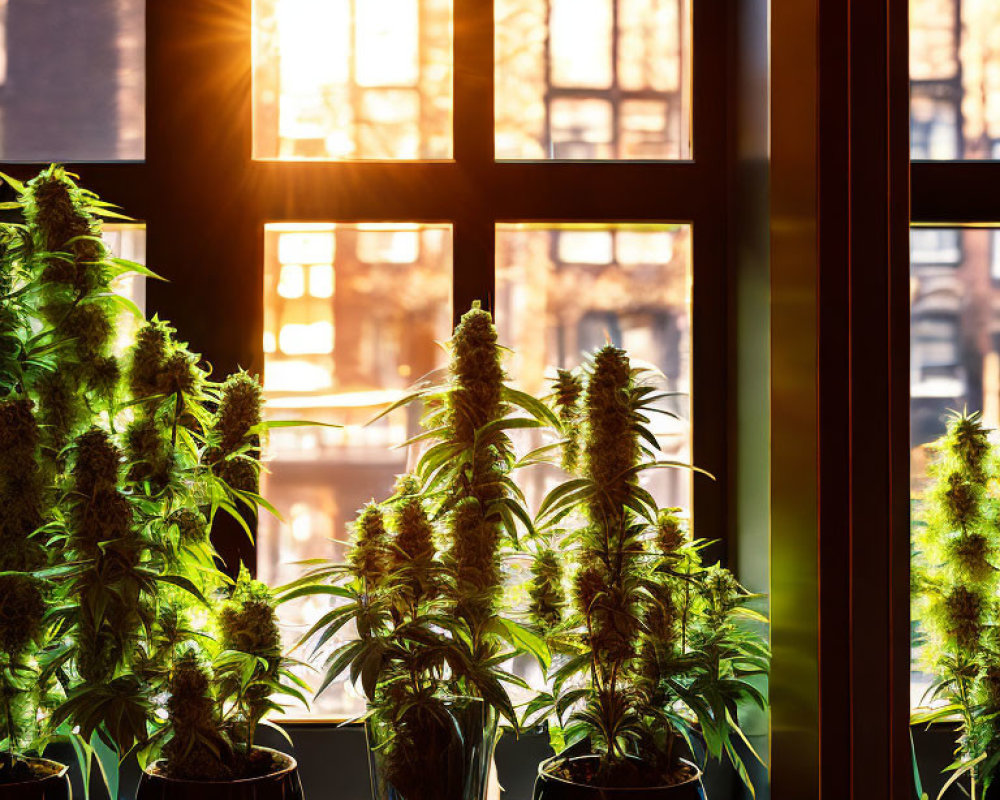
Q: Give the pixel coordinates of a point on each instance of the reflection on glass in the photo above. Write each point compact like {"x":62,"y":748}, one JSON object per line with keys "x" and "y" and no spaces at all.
{"x":564,"y":291}
{"x":353,"y":79}
{"x":954,"y":79}
{"x":954,"y":343}
{"x":349,"y":331}
{"x":72,"y":80}
{"x":592,"y":79}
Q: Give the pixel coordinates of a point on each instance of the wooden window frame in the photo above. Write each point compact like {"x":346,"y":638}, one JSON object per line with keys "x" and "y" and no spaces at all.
{"x":205,"y":200}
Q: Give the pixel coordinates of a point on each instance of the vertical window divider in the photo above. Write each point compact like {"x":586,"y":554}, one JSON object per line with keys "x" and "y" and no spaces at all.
{"x":474,"y":223}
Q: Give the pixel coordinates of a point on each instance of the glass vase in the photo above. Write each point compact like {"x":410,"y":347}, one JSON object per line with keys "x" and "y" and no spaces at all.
{"x":440,"y":749}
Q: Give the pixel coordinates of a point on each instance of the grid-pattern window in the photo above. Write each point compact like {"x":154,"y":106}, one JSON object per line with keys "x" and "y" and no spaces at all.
{"x":355,"y":298}
{"x":357,"y":191}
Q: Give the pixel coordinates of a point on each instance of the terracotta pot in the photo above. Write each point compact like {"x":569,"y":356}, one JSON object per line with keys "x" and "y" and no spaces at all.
{"x":54,"y":786}
{"x":552,"y":787}
{"x":282,"y":784}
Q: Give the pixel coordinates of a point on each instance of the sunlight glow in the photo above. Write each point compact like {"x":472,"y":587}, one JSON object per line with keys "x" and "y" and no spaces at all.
{"x":387,"y":52}
{"x":307,"y":248}
{"x":321,"y":280}
{"x":293,"y":281}
{"x":314,"y":338}
{"x":352,"y":79}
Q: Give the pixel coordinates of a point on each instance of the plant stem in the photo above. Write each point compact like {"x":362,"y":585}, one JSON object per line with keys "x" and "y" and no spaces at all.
{"x":10,"y":722}
{"x":687,"y":603}
{"x":178,"y":400}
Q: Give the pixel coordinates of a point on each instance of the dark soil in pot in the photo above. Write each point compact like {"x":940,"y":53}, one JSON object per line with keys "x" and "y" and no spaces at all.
{"x":574,"y":778}
{"x":271,"y":775}
{"x":34,"y":779}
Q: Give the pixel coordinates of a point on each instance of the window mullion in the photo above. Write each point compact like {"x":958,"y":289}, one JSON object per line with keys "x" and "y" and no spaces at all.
{"x":474,"y":154}
{"x":473,"y":54}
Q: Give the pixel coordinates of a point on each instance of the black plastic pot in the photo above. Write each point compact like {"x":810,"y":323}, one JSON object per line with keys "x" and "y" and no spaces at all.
{"x":51,"y":787}
{"x":551,"y":787}
{"x":282,"y":784}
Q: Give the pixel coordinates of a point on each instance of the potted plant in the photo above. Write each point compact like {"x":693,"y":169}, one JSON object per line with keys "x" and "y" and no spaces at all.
{"x":52,"y":334}
{"x":214,"y":707}
{"x":124,"y":462}
{"x":655,"y":655}
{"x":423,"y":585}
{"x":22,"y":597}
{"x":955,"y":598}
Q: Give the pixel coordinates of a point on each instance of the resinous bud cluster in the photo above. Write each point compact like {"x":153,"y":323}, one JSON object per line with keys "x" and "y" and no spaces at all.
{"x":248,"y":621}
{"x":478,"y":374}
{"x":196,"y":750}
{"x":75,"y":282}
{"x":238,"y":414}
{"x":970,"y":443}
{"x":367,"y":556}
{"x":612,"y":446}
{"x":239,"y":410}
{"x":964,"y":611}
{"x":567,"y":392}
{"x":475,"y":561}
{"x":670,"y":534}
{"x":411,"y":556}
{"x":21,"y":495}
{"x":546,"y":593}
{"x":192,"y":527}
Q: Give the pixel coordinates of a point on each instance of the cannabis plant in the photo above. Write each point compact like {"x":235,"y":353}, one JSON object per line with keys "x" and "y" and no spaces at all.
{"x":955,"y":592}
{"x":424,"y":580}
{"x":655,"y":651}
{"x":219,"y":688}
{"x":250,"y":670}
{"x":113,"y":469}
{"x":105,"y":524}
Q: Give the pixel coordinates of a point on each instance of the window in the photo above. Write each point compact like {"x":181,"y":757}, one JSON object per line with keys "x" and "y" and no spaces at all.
{"x":954,"y":275}
{"x":352,"y":316}
{"x":323,"y":214}
{"x":565,"y":291}
{"x":954,"y":347}
{"x":367,"y":263}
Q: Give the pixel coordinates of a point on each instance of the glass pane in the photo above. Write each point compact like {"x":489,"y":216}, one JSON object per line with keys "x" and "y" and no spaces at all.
{"x":954,"y":347}
{"x":563,"y":291}
{"x":127,"y":241}
{"x":349,"y":324}
{"x":353,"y":79}
{"x":593,"y":79}
{"x":72,"y":80}
{"x":581,"y":26}
{"x":955,"y":79}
